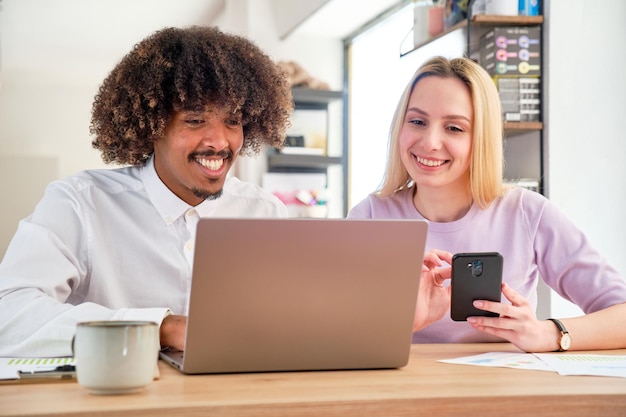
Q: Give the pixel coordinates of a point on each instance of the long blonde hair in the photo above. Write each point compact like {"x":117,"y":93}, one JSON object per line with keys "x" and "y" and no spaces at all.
{"x":486,"y":164}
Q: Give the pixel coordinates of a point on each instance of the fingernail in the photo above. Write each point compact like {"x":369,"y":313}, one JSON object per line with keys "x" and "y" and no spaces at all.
{"x":471,"y":320}
{"x":478,"y":304}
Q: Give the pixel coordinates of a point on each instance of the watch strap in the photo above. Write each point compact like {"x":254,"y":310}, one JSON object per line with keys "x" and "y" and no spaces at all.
{"x":559,"y":325}
{"x":565,"y":337}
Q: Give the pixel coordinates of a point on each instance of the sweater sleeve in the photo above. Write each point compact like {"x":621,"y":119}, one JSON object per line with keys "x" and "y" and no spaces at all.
{"x":568,"y":263}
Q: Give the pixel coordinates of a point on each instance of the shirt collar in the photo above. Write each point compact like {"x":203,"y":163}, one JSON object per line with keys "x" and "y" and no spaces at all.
{"x":168,"y":204}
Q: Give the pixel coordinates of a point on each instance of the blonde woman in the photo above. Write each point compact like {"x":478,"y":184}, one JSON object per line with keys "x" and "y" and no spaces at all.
{"x":445,"y":166}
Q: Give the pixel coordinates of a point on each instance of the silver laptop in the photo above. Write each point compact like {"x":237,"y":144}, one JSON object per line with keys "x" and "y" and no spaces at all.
{"x":301,"y":294}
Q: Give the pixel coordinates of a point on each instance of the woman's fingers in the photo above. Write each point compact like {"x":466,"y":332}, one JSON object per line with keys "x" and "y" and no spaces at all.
{"x":436,"y":257}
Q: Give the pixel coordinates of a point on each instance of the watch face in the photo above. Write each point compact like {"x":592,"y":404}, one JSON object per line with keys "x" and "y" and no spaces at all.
{"x":566,"y":341}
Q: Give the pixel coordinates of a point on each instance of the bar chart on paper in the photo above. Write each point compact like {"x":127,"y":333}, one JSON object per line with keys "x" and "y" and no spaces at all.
{"x":584,"y":364}
{"x":562,"y":363}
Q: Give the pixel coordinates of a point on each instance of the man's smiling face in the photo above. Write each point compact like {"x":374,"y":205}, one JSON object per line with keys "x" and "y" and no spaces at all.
{"x":197,"y":151}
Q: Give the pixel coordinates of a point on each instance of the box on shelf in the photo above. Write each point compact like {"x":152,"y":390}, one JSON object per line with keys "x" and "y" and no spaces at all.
{"x":295,"y":144}
{"x":520,"y":98}
{"x":529,"y":7}
{"x":304,"y":194}
{"x":511,"y":50}
{"x":308,"y":132}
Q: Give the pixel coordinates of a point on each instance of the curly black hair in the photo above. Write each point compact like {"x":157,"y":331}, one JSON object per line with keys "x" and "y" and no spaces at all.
{"x":178,"y":69}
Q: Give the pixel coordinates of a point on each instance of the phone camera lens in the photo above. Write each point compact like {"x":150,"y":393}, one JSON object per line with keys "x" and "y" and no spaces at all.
{"x":477,"y":268}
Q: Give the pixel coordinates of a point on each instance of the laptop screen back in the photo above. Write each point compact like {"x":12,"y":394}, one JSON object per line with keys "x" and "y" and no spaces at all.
{"x":303,"y":294}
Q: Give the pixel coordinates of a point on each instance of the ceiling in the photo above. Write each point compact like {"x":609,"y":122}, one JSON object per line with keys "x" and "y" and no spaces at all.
{"x":340,"y":18}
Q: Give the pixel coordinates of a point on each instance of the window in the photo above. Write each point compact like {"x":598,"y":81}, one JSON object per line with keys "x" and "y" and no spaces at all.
{"x":377,"y":75}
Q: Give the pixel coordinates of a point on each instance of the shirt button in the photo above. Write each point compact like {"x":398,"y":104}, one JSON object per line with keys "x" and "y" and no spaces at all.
{"x":189,"y":246}
{"x":191,"y":213}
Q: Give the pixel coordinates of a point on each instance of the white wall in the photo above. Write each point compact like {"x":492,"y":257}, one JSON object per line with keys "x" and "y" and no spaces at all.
{"x":19,"y":197}
{"x":587,"y":104}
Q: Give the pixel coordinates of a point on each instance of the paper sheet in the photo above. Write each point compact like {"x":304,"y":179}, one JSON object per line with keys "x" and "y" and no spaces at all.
{"x":503,"y":359}
{"x":583,"y":364}
{"x":562,"y":363}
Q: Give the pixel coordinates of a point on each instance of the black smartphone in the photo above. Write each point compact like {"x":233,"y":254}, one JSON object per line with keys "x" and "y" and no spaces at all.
{"x":475,"y":276}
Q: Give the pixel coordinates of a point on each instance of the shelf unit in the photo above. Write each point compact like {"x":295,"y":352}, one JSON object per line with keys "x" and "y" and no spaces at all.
{"x":302,"y":96}
{"x":281,"y":161}
{"x":484,"y":20}
{"x":490,"y":21}
{"x":305,"y":163}
{"x":524,"y":141}
{"x":306,"y":99}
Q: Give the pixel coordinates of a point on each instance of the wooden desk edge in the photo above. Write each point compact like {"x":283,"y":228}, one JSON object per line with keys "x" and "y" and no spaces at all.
{"x":425,"y":387}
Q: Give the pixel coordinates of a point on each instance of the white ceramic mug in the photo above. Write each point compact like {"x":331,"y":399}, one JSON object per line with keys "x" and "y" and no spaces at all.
{"x":116,"y":357}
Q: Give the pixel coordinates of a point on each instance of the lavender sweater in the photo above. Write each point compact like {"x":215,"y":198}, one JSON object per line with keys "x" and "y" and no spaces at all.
{"x":536,"y":240}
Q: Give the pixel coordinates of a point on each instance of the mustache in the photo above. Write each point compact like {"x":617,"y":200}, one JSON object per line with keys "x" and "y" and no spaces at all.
{"x":226,"y":153}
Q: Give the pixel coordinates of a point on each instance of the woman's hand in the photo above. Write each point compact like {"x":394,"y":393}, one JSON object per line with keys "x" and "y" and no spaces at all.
{"x":433,"y":298}
{"x":517,"y":323}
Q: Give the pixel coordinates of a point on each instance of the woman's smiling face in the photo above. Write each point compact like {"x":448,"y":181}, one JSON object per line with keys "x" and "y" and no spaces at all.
{"x":436,"y":135}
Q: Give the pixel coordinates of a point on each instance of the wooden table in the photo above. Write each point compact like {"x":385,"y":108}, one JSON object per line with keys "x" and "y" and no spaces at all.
{"x":424,"y":387}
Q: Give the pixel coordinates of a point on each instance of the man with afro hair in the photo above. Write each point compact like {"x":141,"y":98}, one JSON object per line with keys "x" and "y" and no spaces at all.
{"x":117,"y":244}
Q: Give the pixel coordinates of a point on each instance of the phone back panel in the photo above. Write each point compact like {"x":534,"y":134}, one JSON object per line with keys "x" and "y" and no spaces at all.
{"x":475,"y":276}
